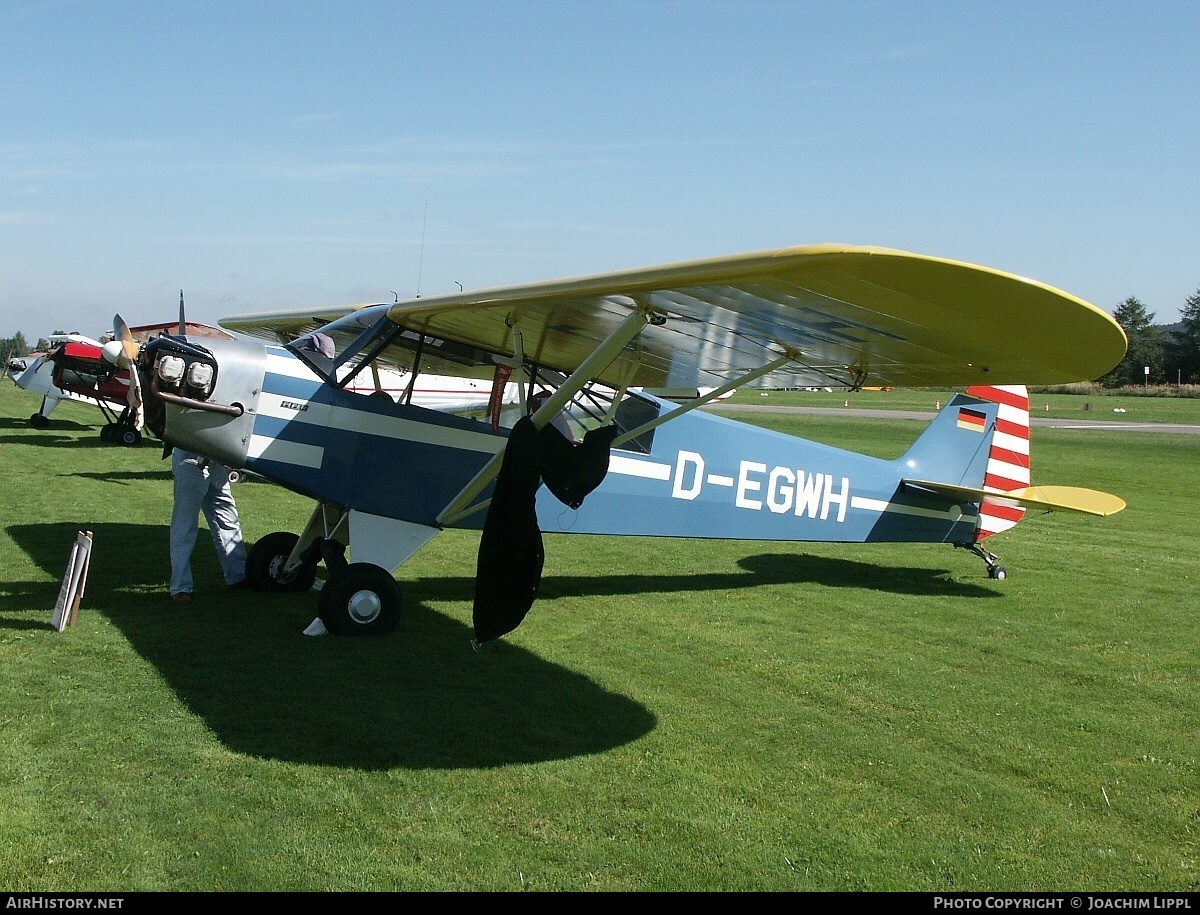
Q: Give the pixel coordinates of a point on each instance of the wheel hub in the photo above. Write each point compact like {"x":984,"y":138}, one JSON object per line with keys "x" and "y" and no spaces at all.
{"x":364,"y":606}
{"x":275,"y":569}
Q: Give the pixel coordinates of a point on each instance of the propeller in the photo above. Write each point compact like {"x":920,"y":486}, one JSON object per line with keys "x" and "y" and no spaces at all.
{"x":122,"y":351}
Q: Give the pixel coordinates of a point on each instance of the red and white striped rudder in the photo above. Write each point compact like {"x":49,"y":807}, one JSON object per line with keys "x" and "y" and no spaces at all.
{"x":1008,"y":458}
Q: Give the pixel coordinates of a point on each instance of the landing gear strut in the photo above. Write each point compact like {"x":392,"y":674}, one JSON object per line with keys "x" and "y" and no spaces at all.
{"x":994,"y":569}
{"x":356,"y":598}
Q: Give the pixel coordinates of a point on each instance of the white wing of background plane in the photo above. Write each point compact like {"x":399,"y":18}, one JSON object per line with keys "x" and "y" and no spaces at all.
{"x":847,"y":316}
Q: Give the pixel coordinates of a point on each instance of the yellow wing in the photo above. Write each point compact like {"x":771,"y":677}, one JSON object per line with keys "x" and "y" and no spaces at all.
{"x":850,"y":316}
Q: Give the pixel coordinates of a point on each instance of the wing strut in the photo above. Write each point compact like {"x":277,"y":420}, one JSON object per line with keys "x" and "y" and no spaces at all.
{"x":595,"y":363}
{"x":701,"y":401}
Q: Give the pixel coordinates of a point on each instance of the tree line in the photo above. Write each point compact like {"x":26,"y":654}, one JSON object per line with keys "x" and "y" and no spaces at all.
{"x":1171,"y":356}
{"x":17,"y":345}
{"x":12,"y":347}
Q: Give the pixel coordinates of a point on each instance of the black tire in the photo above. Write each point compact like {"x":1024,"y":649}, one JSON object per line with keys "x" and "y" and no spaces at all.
{"x":998,"y":573}
{"x":38,"y":421}
{"x":128,"y":437}
{"x":363,"y":599}
{"x":265,"y":561}
{"x":107,"y":431}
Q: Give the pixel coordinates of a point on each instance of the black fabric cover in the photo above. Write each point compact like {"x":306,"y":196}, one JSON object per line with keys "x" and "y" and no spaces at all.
{"x":571,"y":470}
{"x":511,"y":556}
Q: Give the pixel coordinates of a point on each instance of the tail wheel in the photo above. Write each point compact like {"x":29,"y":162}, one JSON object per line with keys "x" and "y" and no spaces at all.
{"x":997,"y":572}
{"x":265,"y":562}
{"x":361,"y":599}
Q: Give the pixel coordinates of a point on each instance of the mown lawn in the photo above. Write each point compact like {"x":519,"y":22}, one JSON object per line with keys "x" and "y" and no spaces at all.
{"x":672,"y":715}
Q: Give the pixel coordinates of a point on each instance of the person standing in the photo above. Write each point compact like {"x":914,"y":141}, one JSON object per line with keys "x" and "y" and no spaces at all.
{"x":202,"y":485}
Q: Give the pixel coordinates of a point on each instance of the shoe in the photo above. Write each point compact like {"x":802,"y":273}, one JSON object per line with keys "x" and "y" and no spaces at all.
{"x":182,"y":597}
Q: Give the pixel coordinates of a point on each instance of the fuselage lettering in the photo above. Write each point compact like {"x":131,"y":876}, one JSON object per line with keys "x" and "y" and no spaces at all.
{"x":780,"y":489}
{"x":685,"y":460}
{"x":745,"y":484}
{"x":841,"y":499}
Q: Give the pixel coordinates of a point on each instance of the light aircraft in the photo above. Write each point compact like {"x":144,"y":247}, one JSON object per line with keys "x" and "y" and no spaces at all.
{"x":588,"y":450}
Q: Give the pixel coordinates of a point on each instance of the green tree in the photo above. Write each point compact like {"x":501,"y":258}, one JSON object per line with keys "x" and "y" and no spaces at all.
{"x":13,"y":346}
{"x":1183,"y":349}
{"x":1146,"y":347}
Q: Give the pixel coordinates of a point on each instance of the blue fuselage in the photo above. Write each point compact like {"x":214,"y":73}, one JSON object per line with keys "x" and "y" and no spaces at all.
{"x":703,"y":476}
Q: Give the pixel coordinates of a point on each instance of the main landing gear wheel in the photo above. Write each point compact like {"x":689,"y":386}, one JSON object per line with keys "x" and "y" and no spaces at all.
{"x":362,"y":599}
{"x":120,"y":434}
{"x":997,"y":572}
{"x":38,"y":421}
{"x":265,"y":562}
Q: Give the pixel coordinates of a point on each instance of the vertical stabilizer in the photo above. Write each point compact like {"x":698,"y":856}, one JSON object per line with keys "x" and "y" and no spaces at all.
{"x":1008,"y":456}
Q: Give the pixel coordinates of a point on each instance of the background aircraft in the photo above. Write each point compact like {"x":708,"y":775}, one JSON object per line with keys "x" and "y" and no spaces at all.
{"x":75,"y":369}
{"x":388,"y":475}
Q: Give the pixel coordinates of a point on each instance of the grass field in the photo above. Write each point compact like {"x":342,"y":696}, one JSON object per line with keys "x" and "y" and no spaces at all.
{"x":672,"y":715}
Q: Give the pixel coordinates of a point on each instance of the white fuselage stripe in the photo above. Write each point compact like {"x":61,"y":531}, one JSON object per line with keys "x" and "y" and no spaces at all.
{"x":649,"y":470}
{"x":365,"y":422}
{"x":952,"y":513}
{"x":273,"y":449}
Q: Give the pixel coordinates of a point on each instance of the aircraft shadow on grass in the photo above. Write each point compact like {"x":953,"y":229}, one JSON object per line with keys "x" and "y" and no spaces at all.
{"x":53,"y":439}
{"x":127,"y":476}
{"x":418,"y":698}
{"x":60,"y":425}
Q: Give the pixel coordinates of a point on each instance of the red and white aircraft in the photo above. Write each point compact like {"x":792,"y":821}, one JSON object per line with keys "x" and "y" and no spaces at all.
{"x":76,"y":368}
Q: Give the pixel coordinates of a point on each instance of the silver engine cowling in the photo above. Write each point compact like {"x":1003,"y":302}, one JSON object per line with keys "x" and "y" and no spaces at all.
{"x":203,"y":399}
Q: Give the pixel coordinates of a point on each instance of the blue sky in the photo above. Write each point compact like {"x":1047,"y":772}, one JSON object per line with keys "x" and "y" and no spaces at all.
{"x":263,"y":155}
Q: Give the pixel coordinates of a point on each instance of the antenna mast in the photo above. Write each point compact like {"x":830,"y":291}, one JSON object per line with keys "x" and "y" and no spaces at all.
{"x":421,"y":260}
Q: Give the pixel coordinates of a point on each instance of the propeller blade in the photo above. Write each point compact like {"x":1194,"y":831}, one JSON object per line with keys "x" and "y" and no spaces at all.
{"x":129,"y":347}
{"x":134,"y":398}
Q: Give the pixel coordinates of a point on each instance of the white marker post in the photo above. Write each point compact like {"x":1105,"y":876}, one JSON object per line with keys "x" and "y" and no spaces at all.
{"x":67,"y":607}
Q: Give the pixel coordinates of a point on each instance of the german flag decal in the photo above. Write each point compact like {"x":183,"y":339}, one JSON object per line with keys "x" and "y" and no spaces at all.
{"x":971,"y":419}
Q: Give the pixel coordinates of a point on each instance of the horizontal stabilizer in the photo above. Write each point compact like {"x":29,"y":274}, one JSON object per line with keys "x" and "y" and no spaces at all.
{"x":1046,"y":498}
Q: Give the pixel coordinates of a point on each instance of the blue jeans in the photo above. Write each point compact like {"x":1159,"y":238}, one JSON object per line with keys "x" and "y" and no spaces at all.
{"x":203,"y":486}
